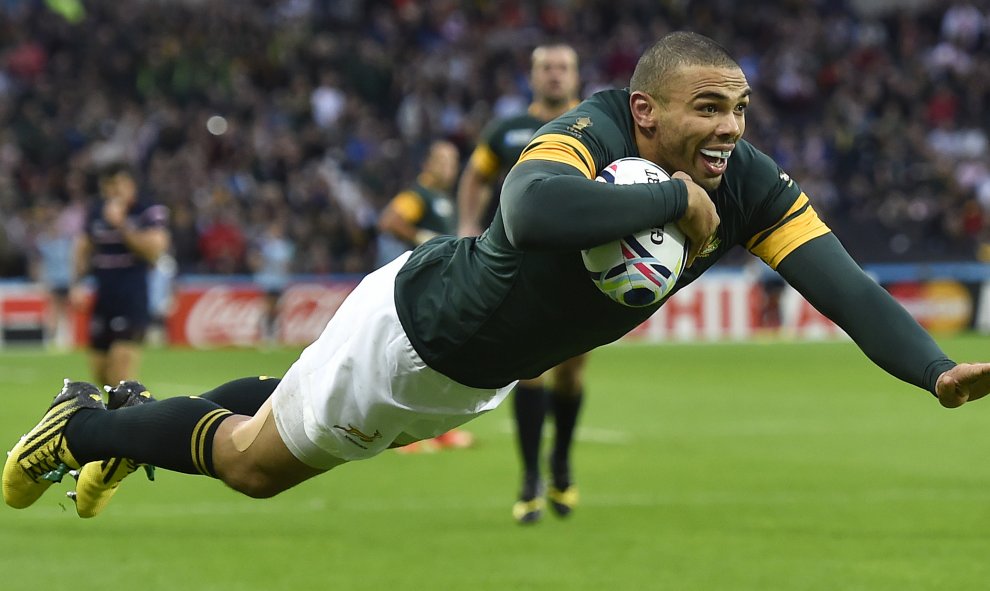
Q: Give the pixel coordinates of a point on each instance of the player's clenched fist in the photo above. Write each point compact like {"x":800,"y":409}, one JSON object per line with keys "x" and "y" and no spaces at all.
{"x":700,"y":218}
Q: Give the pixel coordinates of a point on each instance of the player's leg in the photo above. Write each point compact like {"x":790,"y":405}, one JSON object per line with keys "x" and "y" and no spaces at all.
{"x":178,"y":434}
{"x":100,"y":339}
{"x":566,"y":398}
{"x":243,"y":396}
{"x":36,"y":459}
{"x":529,"y":411}
{"x":97,"y":482}
{"x":98,"y":365}
{"x":250,"y":456}
{"x":196,"y":435}
{"x":117,"y":357}
{"x":192,"y":435}
{"x":125,"y":338}
{"x":122,"y":361}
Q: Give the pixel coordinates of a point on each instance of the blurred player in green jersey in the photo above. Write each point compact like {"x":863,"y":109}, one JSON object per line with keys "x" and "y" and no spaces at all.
{"x":555,"y":84}
{"x":425,"y":209}
{"x":420,"y":212}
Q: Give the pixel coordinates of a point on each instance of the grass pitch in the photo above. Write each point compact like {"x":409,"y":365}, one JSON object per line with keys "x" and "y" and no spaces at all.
{"x":749,"y":466}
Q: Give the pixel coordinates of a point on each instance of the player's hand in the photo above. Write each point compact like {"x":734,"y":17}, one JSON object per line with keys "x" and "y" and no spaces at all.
{"x":468,"y":229}
{"x":963,"y":383}
{"x":115,"y":212}
{"x":700,"y":220}
{"x":77,"y":297}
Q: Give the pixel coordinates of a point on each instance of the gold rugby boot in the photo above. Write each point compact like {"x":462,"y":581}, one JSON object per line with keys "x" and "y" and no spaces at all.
{"x":41,"y":457}
{"x":97,"y":482}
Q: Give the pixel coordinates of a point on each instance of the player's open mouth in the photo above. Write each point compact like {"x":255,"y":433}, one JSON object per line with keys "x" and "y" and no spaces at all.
{"x":715,"y":161}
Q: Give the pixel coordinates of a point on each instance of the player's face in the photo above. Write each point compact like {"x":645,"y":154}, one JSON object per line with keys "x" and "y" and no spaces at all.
{"x":700,"y":116}
{"x":554,"y":77}
{"x":443,"y":164}
{"x":120,"y":186}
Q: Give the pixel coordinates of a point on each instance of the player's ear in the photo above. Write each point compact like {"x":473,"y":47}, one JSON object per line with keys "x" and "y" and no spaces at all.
{"x":643,"y":108}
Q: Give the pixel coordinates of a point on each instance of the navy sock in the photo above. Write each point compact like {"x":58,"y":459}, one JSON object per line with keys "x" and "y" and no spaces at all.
{"x":565,"y":414}
{"x":243,"y":396}
{"x":530,"y":405}
{"x":174,"y":434}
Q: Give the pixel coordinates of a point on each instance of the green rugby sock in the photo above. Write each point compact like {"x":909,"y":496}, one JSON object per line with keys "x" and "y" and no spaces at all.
{"x":175,"y":434}
{"x":243,"y":396}
{"x":530,"y":405}
{"x":566,"y":408}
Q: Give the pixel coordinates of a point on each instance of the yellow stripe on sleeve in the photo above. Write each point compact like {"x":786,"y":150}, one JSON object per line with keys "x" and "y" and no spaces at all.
{"x":799,"y":225}
{"x":561,"y":148}
{"x":485,"y":161}
{"x":409,"y":206}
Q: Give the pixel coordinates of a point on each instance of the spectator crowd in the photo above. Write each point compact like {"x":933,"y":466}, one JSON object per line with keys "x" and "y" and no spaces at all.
{"x":309,"y":115}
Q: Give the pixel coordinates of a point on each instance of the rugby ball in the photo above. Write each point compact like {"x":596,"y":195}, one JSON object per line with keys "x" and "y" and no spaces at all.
{"x":641,"y":269}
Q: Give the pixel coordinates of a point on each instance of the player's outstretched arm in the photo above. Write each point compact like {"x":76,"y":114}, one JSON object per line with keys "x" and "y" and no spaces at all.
{"x":824,"y":273}
{"x":963,"y":383}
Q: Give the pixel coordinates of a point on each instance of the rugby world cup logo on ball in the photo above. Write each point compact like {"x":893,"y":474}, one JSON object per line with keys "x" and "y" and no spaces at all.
{"x":641,"y":269}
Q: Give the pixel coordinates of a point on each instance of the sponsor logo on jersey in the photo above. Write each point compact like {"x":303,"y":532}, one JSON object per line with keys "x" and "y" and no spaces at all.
{"x":579,"y":126}
{"x":785,"y":177}
{"x":443,"y":208}
{"x":519,"y":137}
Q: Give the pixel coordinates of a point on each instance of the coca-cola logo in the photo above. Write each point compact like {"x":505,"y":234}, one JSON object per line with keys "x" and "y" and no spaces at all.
{"x":305,"y":310}
{"x":224,"y":316}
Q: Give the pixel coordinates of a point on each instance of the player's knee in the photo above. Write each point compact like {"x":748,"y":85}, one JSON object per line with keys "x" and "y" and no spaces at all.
{"x":569,"y":385}
{"x":254,"y":482}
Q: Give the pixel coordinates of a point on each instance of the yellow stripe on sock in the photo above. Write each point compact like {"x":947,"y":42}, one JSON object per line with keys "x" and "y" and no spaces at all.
{"x":198,"y":442}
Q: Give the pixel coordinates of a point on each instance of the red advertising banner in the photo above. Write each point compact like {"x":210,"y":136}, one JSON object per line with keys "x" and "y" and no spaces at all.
{"x":718,"y":307}
{"x":729,"y":307}
{"x":24,"y":313}
{"x":222,"y":315}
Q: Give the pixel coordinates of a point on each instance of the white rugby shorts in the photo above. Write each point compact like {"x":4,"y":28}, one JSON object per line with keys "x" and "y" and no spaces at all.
{"x":360,"y":387}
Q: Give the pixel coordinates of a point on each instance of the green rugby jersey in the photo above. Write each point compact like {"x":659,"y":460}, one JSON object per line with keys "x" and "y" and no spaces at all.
{"x":501,"y":143}
{"x":499,"y":146}
{"x":517,"y":300}
{"x":425,"y":208}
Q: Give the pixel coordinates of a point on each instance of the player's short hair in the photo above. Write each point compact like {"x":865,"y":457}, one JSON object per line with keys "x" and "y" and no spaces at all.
{"x":114,"y":168}
{"x":672,"y":51}
{"x":548,"y":45}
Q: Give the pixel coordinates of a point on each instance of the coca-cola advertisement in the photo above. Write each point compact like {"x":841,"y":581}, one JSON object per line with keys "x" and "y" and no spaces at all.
{"x":720,"y":307}
{"x":304,"y":310}
{"x":216,"y":316}
{"x":225,"y":315}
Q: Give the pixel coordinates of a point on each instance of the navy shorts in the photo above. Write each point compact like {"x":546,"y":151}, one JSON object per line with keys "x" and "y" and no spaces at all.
{"x":104,"y":330}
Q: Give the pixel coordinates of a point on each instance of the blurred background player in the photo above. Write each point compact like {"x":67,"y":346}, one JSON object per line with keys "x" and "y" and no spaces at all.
{"x":555,"y":85}
{"x":271,"y":257}
{"x":122,"y":238}
{"x":52,"y":265}
{"x":423,"y":210}
{"x":412,"y":217}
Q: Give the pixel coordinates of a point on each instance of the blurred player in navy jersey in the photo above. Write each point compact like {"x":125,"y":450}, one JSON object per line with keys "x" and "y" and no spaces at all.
{"x":554,"y":81}
{"x":123,"y":237}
